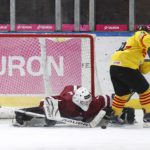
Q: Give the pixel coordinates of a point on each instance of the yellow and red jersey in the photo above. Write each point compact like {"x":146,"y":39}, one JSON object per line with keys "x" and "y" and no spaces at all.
{"x":132,"y":56}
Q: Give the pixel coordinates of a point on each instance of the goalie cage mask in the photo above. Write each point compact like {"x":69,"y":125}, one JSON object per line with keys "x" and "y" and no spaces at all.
{"x":82,"y":98}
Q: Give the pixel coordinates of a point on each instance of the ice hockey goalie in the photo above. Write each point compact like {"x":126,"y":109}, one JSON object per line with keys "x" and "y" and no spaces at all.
{"x":74,"y":106}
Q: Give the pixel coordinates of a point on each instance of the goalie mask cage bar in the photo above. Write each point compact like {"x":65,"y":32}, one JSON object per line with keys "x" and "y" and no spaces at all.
{"x":43,"y":64}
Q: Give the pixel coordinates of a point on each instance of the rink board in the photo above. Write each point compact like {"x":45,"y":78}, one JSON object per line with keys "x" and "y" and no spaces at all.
{"x":20,"y":101}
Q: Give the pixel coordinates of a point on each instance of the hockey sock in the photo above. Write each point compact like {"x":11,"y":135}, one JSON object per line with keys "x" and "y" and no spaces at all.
{"x":118,"y":104}
{"x":145,"y":100}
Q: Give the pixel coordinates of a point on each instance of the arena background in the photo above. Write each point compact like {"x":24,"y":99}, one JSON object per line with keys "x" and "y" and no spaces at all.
{"x":111,"y":21}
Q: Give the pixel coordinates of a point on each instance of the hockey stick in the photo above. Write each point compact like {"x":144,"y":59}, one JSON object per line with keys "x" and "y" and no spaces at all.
{"x":61,"y":119}
{"x":29,"y":113}
{"x":12,"y":111}
{"x":148,"y":52}
{"x":131,"y":94}
{"x":91,"y":124}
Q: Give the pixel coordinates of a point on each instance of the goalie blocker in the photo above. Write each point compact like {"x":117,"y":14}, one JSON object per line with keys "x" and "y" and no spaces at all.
{"x":74,"y":106}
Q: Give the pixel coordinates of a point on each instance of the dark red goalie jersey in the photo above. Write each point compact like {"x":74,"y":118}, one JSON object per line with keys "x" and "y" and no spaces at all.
{"x":70,"y":110}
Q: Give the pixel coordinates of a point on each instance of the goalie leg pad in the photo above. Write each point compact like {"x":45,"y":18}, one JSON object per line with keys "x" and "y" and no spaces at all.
{"x":97,"y":118}
{"x":106,"y":119}
{"x":51,"y":108}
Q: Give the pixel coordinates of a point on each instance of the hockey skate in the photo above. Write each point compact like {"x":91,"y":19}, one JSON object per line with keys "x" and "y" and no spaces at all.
{"x":19,"y":121}
{"x":127,"y":117}
{"x":146,"y":120}
{"x":31,"y":117}
{"x":116,"y":120}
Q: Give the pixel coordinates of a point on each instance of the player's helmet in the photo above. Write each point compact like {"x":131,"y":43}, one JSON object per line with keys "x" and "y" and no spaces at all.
{"x":82,"y":98}
{"x":142,"y":28}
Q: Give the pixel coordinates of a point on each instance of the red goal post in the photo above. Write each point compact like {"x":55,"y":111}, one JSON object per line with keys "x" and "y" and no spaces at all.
{"x":38,"y":65}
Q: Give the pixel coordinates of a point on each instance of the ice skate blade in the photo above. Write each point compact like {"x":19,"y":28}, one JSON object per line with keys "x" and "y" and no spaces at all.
{"x":146,"y":125}
{"x":18,"y":125}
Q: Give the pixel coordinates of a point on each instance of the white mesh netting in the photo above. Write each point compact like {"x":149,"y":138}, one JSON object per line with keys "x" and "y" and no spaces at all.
{"x":39,"y":65}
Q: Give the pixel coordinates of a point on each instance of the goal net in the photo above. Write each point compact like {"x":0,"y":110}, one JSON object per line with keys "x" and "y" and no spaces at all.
{"x":37,"y":65}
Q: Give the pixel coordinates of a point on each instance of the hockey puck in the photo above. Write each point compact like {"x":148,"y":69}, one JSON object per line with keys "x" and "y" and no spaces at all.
{"x":103,"y":127}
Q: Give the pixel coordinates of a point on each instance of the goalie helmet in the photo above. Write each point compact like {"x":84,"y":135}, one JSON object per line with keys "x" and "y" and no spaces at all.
{"x":82,"y":98}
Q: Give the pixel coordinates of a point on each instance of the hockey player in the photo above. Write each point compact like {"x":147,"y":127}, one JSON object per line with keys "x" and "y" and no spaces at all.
{"x":75,"y":105}
{"x":126,"y":71}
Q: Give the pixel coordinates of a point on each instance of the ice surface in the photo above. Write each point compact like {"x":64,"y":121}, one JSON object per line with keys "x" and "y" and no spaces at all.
{"x":72,"y":138}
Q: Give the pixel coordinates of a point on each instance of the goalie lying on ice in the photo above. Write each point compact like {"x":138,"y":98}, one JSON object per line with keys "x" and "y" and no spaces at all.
{"x":74,"y":106}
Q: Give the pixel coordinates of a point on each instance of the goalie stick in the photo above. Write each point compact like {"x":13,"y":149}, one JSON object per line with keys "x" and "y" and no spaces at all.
{"x":91,"y":124}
